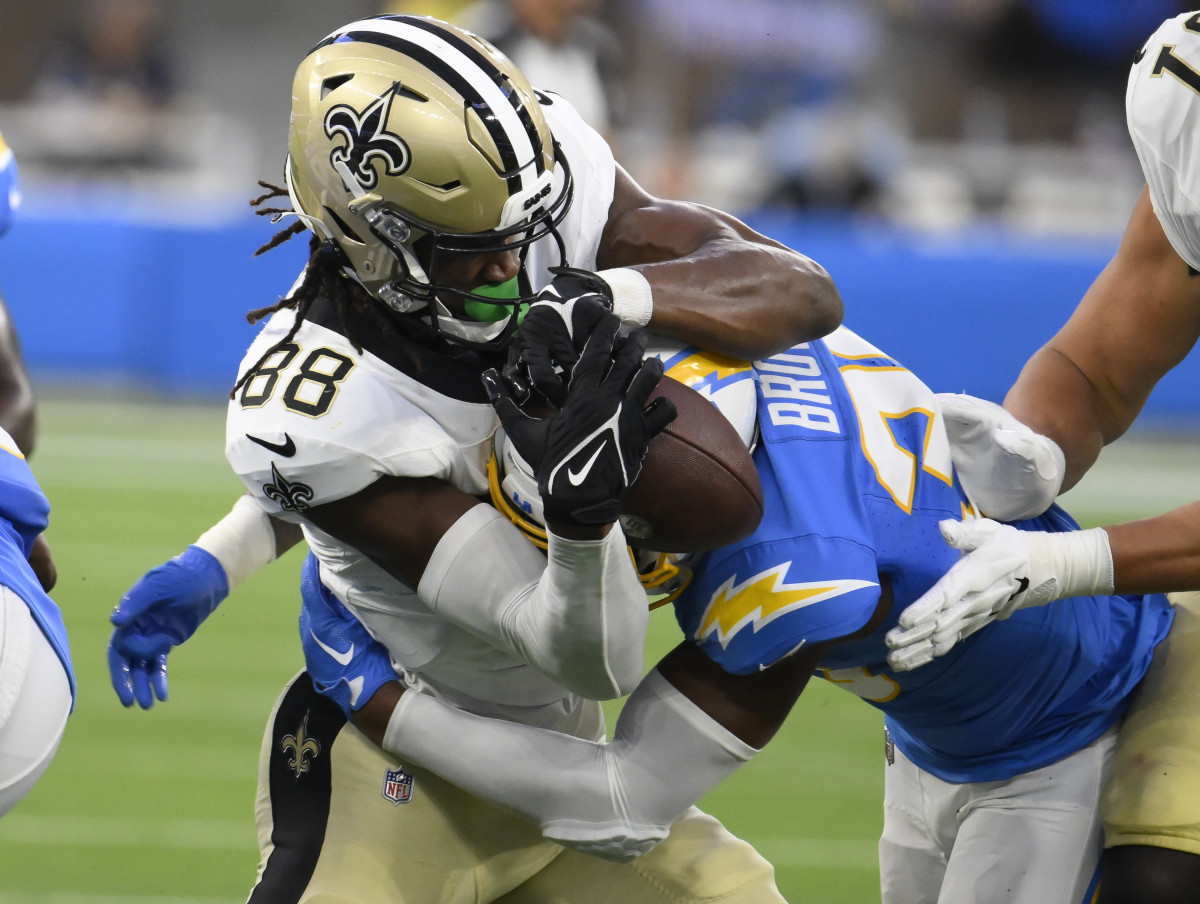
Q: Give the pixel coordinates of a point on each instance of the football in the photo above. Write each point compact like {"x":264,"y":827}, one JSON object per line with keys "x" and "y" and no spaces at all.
{"x":698,"y":488}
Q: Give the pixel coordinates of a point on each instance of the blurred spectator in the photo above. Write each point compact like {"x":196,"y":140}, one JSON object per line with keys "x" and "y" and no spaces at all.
{"x":560,"y":46}
{"x":111,"y":78}
{"x":717,"y":73}
{"x":446,"y":10}
{"x":1106,"y":31}
{"x":115,"y":58}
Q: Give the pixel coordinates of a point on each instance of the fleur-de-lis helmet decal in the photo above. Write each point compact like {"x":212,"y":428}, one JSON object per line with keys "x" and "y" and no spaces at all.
{"x":412,"y":139}
{"x":366,"y":140}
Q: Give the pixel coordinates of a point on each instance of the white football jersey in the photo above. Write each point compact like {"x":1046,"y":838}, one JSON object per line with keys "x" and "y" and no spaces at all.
{"x":321,"y":421}
{"x":1162,"y":106}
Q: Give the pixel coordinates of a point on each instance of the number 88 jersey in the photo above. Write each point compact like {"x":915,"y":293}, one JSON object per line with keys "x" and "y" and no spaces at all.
{"x":1162,"y":107}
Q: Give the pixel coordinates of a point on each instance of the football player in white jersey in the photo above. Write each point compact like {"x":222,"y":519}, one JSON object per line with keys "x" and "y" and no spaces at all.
{"x":444,"y":195}
{"x":1079,"y":392}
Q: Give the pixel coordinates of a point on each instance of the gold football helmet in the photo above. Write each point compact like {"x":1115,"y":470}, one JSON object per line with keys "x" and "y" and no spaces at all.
{"x":411,"y":139}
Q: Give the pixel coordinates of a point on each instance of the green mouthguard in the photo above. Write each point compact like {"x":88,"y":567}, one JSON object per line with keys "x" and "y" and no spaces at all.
{"x":490,"y":313}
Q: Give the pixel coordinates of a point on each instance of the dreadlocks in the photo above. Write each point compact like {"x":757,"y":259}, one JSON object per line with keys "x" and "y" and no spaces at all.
{"x":323,"y":275}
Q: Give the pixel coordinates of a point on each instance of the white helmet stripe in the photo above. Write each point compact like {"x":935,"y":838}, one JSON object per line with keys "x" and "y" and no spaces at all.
{"x":465,"y":73}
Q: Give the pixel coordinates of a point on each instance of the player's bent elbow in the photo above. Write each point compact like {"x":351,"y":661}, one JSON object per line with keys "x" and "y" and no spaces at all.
{"x":600,"y":684}
{"x":619,"y":842}
{"x":819,"y":302}
{"x":804,"y":305}
{"x":614,"y":672}
{"x":625,"y":684}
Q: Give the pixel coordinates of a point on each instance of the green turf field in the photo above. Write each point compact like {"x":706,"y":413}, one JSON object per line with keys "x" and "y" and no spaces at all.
{"x":158,"y":806}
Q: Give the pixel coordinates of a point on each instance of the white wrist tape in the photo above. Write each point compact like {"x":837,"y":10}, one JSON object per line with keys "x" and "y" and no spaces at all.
{"x":579,"y":615}
{"x":1073,"y":563}
{"x":633,"y":299}
{"x":615,"y":800}
{"x":243,"y":541}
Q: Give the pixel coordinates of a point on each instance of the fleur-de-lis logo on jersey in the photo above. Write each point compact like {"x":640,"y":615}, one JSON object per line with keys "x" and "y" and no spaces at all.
{"x":292,"y":497}
{"x":366,"y":139}
{"x":303,"y":749}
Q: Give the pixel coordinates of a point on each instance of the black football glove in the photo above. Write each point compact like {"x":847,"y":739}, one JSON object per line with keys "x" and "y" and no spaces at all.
{"x":588,"y":453}
{"x":552,"y":334}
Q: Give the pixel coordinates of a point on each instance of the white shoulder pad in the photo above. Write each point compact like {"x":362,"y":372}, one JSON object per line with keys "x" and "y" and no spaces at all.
{"x":726,"y":382}
{"x":1162,"y":107}
{"x":593,"y":169}
{"x":845,"y":343}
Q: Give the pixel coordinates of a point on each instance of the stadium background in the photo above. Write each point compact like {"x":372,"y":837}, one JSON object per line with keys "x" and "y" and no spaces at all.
{"x":128,"y":281}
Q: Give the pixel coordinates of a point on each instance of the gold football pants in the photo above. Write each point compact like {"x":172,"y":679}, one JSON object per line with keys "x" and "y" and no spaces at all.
{"x":1153,"y":791}
{"x":341,"y":822}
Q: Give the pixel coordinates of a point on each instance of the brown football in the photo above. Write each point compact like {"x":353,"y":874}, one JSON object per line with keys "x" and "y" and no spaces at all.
{"x":698,"y":488}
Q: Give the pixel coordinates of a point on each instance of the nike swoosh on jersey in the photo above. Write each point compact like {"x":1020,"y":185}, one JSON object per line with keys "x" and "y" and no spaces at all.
{"x":1137,"y":57}
{"x":1022,"y":586}
{"x":341,"y":658}
{"x":578,"y":477}
{"x":287,"y":448}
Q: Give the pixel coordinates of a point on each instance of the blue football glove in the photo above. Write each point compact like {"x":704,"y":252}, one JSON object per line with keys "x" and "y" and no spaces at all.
{"x":345,"y":662}
{"x":159,"y":612}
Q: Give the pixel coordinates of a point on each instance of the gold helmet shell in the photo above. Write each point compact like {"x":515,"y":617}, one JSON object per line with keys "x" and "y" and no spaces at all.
{"x":411,"y":138}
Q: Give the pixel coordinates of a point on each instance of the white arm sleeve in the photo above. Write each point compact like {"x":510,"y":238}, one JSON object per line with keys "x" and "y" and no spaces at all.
{"x":614,"y":800}
{"x":579,"y":615}
{"x":242,"y":542}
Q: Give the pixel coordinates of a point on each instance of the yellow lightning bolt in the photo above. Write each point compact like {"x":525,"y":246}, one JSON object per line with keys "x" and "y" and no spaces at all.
{"x":762,"y":599}
{"x":698,"y":365}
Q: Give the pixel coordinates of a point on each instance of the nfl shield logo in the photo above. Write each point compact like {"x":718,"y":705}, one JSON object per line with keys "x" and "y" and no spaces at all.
{"x":397,"y":786}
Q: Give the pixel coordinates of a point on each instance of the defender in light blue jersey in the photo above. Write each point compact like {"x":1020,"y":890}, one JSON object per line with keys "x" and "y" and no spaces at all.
{"x":1000,"y":749}
{"x":999,"y":746}
{"x":37,"y":685}
{"x":856,"y":475}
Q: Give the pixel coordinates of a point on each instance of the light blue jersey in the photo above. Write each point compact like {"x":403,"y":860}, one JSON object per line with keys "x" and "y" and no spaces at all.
{"x":24,"y":514}
{"x":856,"y":475}
{"x":10,"y":192}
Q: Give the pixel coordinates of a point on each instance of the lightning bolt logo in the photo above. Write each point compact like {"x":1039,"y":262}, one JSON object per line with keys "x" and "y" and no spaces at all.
{"x":761,"y":599}
{"x":705,"y":372}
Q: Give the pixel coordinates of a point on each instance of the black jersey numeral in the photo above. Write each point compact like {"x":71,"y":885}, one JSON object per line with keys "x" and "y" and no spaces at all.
{"x":313,"y":388}
{"x":258,"y":389}
{"x":1168,"y":62}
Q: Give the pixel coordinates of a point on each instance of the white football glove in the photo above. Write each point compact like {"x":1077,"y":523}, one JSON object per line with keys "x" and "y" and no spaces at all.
{"x":1005,"y":569}
{"x":1008,"y":471}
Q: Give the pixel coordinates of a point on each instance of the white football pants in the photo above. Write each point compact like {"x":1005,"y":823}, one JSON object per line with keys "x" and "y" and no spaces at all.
{"x":35,"y":700}
{"x":1034,"y":839}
